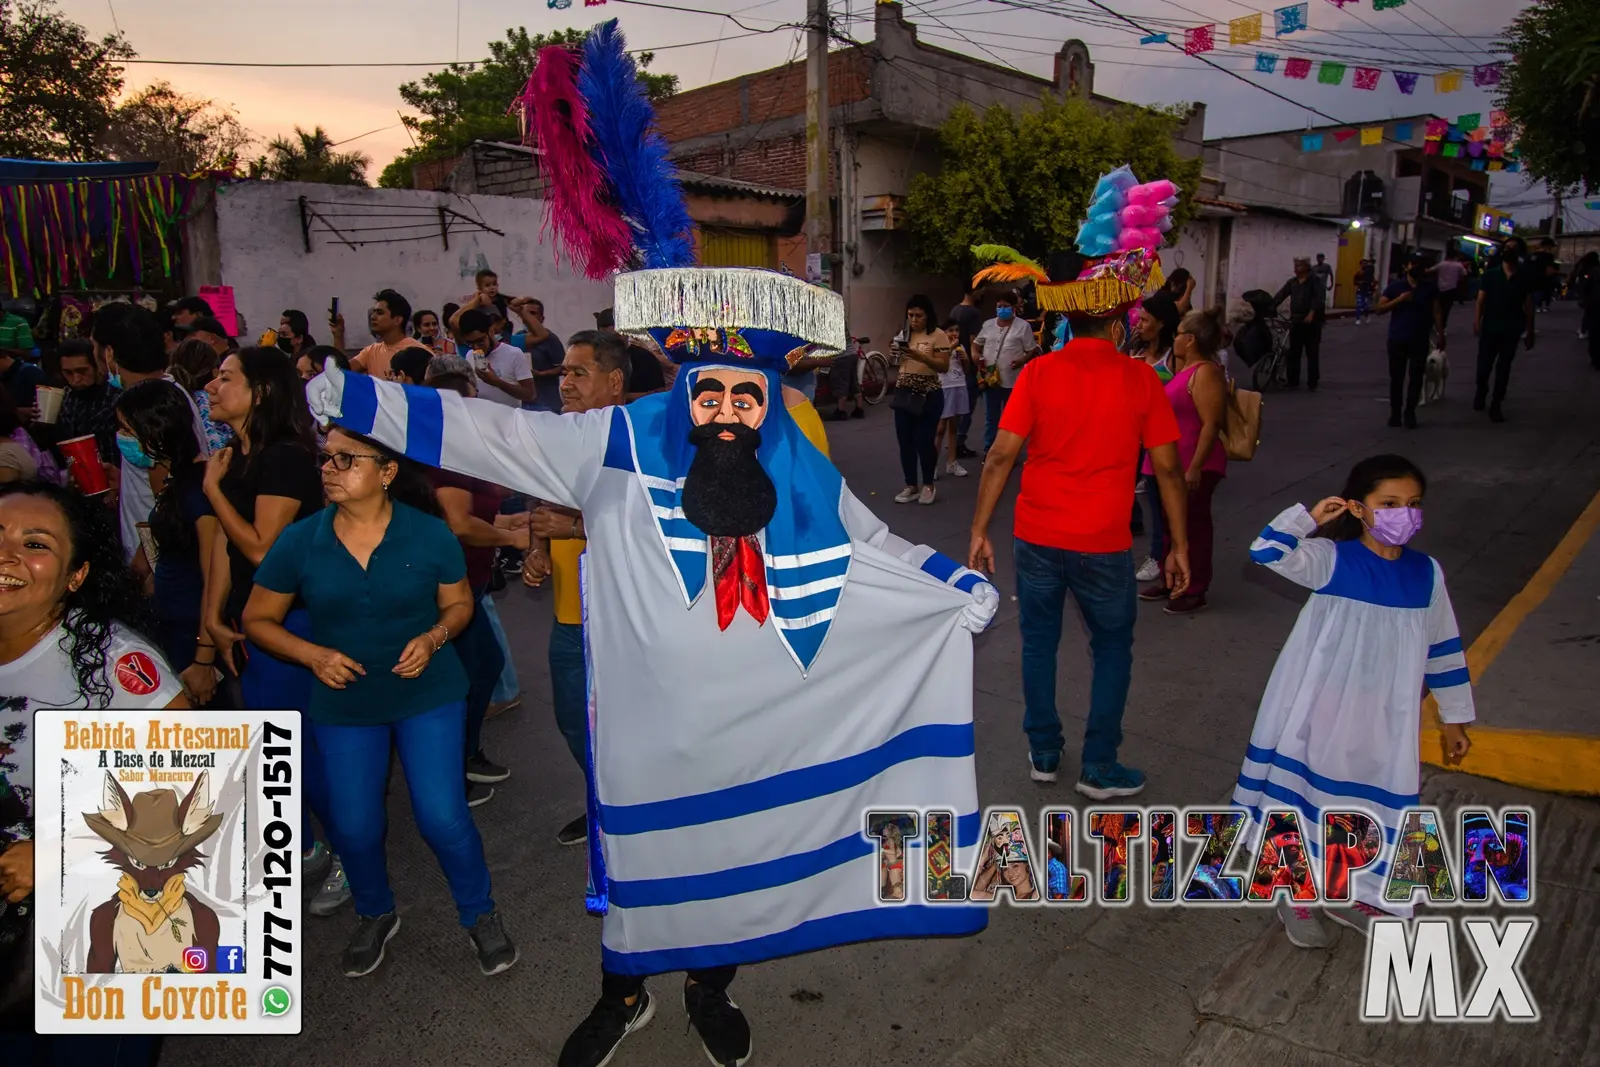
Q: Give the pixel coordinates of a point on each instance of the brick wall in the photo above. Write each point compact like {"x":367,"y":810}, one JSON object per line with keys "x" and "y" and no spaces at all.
{"x":761,"y":97}
{"x":509,"y":177}
{"x":779,"y":162}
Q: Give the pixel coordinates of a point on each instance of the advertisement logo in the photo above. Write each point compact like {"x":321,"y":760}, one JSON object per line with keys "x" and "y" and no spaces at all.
{"x":275,"y":1001}
{"x":195,"y":960}
{"x":137,"y":673}
{"x":230,"y":959}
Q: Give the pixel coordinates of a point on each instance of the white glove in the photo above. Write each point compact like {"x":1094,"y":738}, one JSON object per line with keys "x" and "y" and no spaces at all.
{"x":325,"y":392}
{"x":979,"y":611}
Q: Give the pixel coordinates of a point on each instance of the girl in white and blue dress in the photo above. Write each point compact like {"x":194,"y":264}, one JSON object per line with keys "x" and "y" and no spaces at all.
{"x":1339,"y":722}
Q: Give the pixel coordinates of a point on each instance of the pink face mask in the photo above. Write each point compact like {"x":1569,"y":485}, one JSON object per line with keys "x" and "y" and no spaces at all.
{"x":1395,"y":526}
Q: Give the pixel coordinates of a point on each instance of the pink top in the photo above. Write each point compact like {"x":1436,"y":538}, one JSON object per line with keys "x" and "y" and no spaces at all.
{"x":1189,"y":423}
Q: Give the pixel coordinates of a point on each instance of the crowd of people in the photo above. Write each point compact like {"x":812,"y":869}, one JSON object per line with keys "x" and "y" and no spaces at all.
{"x":264,"y":561}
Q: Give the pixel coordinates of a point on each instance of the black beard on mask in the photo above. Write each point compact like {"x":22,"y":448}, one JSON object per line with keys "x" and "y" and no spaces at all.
{"x":727,"y":493}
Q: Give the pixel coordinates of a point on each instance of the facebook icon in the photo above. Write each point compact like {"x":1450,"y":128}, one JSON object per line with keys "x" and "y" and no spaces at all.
{"x":230,"y":959}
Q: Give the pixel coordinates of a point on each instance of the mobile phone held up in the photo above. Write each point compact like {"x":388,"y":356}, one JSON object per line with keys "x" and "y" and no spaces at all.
{"x":333,"y":311}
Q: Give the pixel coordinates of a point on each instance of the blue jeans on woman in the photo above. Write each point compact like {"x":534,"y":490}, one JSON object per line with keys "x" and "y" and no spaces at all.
{"x":357,"y":761}
{"x":569,"y":686}
{"x":268,"y":683}
{"x":1103,"y":585}
{"x":994,"y":403}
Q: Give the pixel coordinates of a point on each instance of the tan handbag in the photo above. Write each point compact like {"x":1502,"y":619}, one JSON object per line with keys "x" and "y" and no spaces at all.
{"x":1241,"y":429}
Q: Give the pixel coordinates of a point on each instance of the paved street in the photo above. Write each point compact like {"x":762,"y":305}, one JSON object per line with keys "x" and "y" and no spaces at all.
{"x":1095,"y":985}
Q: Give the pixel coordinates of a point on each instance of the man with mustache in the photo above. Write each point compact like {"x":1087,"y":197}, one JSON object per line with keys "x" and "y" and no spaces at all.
{"x":828,"y":671}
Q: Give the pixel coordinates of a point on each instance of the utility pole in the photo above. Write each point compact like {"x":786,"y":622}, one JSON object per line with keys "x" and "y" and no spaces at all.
{"x":819,"y":217}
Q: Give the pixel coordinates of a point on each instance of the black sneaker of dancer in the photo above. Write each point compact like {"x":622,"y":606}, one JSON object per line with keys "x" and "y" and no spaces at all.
{"x":365,"y":950}
{"x":724,"y":1033}
{"x":481,"y":768}
{"x":595,"y":1040}
{"x":575,"y":832}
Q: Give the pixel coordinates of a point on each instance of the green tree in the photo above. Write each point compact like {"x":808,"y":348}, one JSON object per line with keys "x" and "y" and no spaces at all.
{"x":57,"y":84}
{"x":1023,"y":178}
{"x":184,"y":133}
{"x":1551,"y":91}
{"x":309,"y":157}
{"x":468,"y":101}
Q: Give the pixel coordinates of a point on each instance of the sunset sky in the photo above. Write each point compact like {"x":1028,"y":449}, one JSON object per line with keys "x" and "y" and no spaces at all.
{"x":1421,"y":35}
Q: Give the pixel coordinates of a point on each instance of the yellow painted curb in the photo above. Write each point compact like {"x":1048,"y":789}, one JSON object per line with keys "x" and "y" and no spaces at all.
{"x":1558,"y":763}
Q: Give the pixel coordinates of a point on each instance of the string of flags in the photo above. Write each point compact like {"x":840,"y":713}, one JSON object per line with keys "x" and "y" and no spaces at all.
{"x":1294,"y":18}
{"x":562,"y":5}
{"x":1481,"y":147}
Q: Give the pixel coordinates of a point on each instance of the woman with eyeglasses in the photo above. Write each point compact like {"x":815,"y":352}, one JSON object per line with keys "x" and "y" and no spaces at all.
{"x":264,"y":481}
{"x":385,"y":585}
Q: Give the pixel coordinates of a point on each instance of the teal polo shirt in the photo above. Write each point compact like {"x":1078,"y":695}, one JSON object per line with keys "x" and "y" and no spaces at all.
{"x":371,"y":614}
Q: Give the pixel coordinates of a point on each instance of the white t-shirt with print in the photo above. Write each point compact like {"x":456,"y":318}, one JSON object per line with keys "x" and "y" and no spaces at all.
{"x":509,"y":363}
{"x":42,"y":679}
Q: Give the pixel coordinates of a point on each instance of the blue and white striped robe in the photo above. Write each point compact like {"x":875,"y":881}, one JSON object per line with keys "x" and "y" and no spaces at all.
{"x":732,"y":786}
{"x":1338,"y":724}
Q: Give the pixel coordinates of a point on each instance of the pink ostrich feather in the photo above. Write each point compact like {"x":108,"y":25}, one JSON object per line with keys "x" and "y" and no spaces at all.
{"x":596,"y":236}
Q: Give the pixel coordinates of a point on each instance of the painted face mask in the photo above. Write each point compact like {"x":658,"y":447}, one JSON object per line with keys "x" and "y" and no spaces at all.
{"x":134,"y":452}
{"x":1395,"y":526}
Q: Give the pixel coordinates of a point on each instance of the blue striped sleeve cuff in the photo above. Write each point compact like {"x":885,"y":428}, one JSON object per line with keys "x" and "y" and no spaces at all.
{"x":1447,"y":679}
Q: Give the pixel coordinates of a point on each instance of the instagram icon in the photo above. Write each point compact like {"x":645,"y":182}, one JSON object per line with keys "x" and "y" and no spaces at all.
{"x":194,"y":960}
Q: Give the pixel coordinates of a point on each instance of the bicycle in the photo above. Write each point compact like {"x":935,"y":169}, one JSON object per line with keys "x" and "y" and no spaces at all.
{"x":874,"y":371}
{"x":1273,"y":367}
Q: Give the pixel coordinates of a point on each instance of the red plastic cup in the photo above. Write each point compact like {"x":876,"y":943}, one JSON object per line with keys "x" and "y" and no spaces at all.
{"x":83,"y":461}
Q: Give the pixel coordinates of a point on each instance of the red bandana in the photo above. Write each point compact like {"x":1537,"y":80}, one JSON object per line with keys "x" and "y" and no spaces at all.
{"x":740,"y":576}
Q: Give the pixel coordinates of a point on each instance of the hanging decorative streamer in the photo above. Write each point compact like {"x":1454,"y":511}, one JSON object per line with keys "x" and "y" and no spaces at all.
{"x":1495,"y":164}
{"x":1454,"y":133}
{"x":1452,"y":150}
{"x":1406,"y":80}
{"x":1384,"y":5}
{"x":1475,"y":149}
{"x":1330,"y":73}
{"x":1470,"y":120}
{"x":1497,"y":149}
{"x":1366,"y":78}
{"x":1480,"y":134}
{"x":1266,"y":62}
{"x":1297,"y":68}
{"x":1479,"y":164}
{"x":1498,"y":120}
{"x":1311,"y":142}
{"x":1403,"y":131}
{"x":1436,"y":129}
{"x":1447,"y":82}
{"x":559,"y":5}
{"x":1487,"y":75}
{"x":1340,"y":3}
{"x":1245,"y":30}
{"x":593,"y":3}
{"x":1371,"y":135}
{"x":1199,"y":39}
{"x":1291,"y":19}
{"x":1343,"y":135}
{"x":1430,"y":148}
{"x":1512,"y":168}
{"x":1154,"y":38}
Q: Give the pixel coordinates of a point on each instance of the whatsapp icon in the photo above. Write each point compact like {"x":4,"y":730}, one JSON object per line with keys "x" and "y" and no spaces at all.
{"x":275,"y":1001}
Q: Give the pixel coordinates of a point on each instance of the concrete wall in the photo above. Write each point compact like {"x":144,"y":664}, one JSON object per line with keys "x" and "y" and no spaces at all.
{"x":263,"y":255}
{"x":1196,"y":252}
{"x":1262,"y":251}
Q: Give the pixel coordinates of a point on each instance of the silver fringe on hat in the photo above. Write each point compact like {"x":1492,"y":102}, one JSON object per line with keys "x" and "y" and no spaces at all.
{"x":730,"y":297}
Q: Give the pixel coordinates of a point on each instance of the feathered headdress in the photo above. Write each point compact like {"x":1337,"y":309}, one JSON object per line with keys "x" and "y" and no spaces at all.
{"x":613,"y":194}
{"x":1006,"y":265}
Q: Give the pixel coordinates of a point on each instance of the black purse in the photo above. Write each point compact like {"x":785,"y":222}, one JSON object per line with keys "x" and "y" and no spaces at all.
{"x":16,"y":965}
{"x":911,"y":403}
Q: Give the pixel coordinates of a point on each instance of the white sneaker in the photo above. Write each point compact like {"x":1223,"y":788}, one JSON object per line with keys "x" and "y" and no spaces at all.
{"x":1302,"y":926}
{"x":955,"y":470}
{"x":926,"y":496}
{"x":906,"y":495}
{"x":1357,"y":915}
{"x":1149,"y":570}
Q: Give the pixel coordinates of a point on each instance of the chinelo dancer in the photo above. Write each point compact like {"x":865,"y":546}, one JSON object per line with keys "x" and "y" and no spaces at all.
{"x":1338,"y":725}
{"x":791,"y":663}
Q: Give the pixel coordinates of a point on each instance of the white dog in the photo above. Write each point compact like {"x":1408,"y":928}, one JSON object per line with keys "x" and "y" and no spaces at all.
{"x":1434,"y":374}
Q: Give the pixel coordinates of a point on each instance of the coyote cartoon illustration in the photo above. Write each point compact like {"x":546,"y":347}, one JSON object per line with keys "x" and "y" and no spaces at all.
{"x":154,"y":838}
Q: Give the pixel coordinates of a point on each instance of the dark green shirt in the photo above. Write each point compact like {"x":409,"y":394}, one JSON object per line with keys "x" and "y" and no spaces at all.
{"x":371,"y":614}
{"x":1505,"y":312}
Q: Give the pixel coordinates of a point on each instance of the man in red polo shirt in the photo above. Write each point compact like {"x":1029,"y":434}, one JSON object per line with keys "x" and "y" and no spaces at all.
{"x":1084,"y":412}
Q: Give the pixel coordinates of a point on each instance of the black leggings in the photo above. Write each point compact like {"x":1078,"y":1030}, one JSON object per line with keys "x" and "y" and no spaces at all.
{"x":917,"y":435}
{"x":623,"y":986}
{"x":1406,"y":357}
{"x":1495,"y":353}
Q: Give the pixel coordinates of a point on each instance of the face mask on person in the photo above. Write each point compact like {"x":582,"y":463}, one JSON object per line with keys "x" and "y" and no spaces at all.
{"x":1395,"y":526}
{"x":134,"y":452}
{"x":1004,"y":314}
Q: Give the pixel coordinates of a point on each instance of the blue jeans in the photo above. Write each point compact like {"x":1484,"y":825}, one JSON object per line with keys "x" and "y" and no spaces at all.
{"x":1103,"y":585}
{"x":481,"y":656}
{"x":271,"y":684}
{"x":994,"y":403}
{"x":569,"y":686}
{"x":1158,"y":518}
{"x":508,"y":686}
{"x":430,"y":747}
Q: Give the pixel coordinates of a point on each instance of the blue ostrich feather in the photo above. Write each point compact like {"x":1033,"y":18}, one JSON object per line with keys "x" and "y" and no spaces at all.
{"x":632,"y":152}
